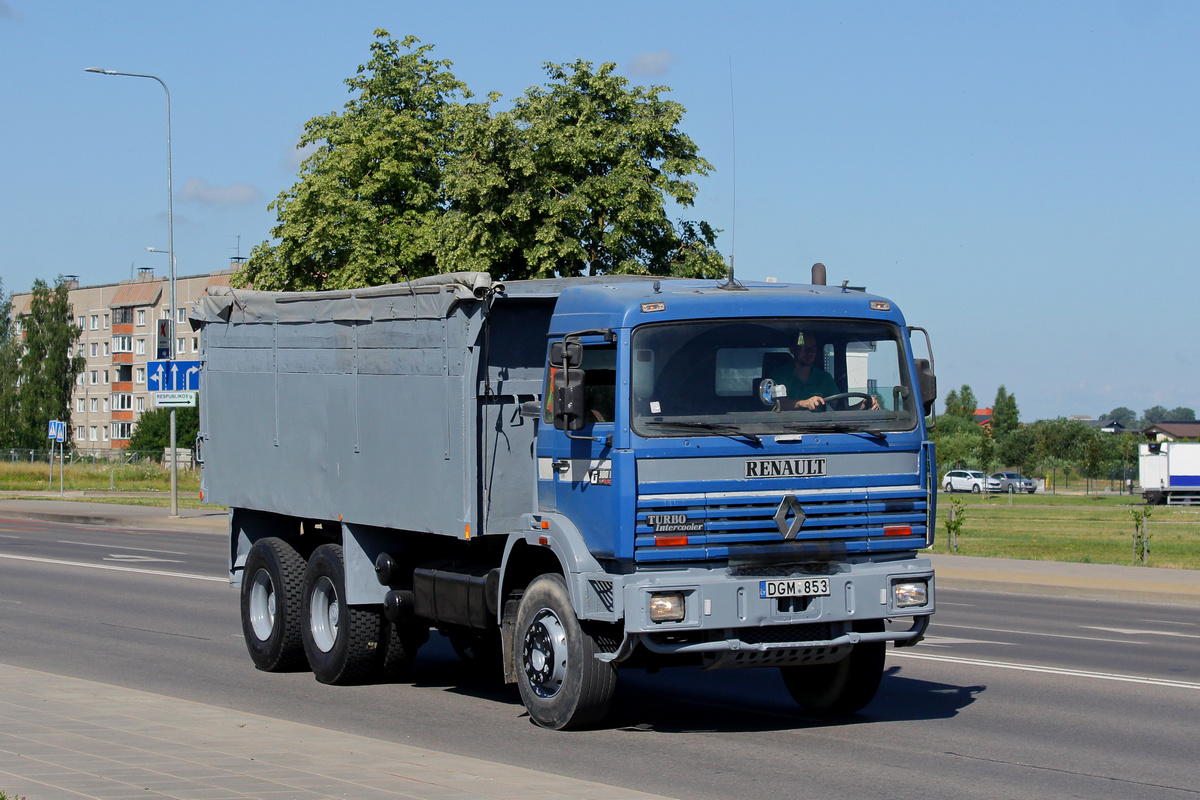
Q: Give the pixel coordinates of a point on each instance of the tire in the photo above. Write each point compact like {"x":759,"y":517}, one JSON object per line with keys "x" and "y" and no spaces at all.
{"x":949,"y":488}
{"x":272,"y":581}
{"x":344,"y":644}
{"x":975,"y":489}
{"x":844,"y":687}
{"x":562,"y":684}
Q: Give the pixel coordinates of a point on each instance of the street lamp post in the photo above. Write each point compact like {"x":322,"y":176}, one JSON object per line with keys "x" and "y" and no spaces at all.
{"x":171,"y":258}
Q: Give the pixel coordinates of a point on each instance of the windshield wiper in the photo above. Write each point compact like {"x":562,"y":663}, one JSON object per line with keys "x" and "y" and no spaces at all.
{"x":715,"y":427}
{"x":836,"y":427}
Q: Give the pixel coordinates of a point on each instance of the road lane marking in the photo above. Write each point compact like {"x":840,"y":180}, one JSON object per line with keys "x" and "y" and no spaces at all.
{"x":1037,"y":633}
{"x":1072,"y":673}
{"x":136,"y":559}
{"x":1139,"y":632}
{"x":937,"y":640}
{"x":112,"y":546}
{"x":114,"y":568}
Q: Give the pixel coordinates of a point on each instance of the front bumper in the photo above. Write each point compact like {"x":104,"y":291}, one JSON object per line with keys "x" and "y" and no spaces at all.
{"x":728,"y":623}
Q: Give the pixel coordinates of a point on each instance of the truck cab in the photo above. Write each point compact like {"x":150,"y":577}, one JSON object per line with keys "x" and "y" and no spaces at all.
{"x":729,"y":523}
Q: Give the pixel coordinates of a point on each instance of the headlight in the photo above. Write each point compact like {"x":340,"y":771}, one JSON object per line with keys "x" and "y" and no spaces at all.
{"x":666,"y":607}
{"x":911,"y":594}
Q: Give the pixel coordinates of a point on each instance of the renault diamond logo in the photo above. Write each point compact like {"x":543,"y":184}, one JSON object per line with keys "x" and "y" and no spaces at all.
{"x":789,"y":517}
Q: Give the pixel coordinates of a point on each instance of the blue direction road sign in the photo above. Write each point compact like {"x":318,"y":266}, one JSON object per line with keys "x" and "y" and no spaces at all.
{"x":173,"y":376}
{"x":57,"y":430}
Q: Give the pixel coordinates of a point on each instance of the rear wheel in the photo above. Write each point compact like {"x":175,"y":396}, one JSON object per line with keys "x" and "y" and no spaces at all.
{"x":562,"y":684}
{"x":270,"y":604}
{"x":344,"y":644}
{"x":843,"y":687}
{"x":949,"y":487}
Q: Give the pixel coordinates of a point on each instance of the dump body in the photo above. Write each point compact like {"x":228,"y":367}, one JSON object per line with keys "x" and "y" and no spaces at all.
{"x":676,"y":499}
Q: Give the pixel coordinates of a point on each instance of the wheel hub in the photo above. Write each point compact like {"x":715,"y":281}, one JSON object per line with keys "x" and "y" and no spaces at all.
{"x":262,"y":605}
{"x":323,"y":614}
{"x":544,"y":653}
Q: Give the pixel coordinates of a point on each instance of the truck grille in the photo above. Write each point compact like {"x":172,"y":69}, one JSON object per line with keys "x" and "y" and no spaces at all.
{"x":855,"y":520}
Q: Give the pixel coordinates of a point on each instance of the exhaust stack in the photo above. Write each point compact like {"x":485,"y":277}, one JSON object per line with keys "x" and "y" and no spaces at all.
{"x":818,"y":274}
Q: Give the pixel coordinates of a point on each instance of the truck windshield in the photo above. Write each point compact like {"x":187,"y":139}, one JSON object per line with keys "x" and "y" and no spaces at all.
{"x":770,"y":377}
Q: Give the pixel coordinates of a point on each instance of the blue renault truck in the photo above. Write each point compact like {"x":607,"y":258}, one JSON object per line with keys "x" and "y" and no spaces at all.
{"x":567,"y":477}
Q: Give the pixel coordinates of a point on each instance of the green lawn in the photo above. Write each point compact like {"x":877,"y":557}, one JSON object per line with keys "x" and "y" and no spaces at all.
{"x":1095,"y":529}
{"x":145,"y":477}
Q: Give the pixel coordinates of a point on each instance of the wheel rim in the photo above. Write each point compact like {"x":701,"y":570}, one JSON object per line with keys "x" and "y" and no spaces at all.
{"x":544,"y":654}
{"x":323,"y":613}
{"x":262,"y":605}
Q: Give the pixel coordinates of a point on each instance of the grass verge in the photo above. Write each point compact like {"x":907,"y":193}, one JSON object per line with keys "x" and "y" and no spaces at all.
{"x":144,"y":477}
{"x":1087,"y":529}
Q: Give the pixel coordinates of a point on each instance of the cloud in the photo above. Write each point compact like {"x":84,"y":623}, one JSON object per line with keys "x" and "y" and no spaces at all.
{"x":296,"y":158}
{"x":197,"y":190}
{"x":647,"y":63}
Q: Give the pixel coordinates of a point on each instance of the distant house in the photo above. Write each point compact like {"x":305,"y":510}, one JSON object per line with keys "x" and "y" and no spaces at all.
{"x":1106,"y":425}
{"x":1172,"y":431}
{"x":983,"y":416}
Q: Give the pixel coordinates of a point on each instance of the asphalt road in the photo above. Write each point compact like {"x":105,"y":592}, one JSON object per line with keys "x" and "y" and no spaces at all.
{"x":1010,"y":696}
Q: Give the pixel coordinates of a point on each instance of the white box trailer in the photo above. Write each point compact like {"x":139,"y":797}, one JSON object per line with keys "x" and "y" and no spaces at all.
{"x":1169,"y":472}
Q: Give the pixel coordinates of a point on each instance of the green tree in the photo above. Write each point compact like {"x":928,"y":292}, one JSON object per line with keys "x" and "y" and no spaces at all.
{"x":368,"y":200}
{"x":47,"y":367}
{"x":412,"y":179}
{"x":153,"y":430}
{"x":1181,"y":414}
{"x":572,"y":181}
{"x":10,"y":356}
{"x":1005,"y":416}
{"x":1155,"y":415}
{"x":961,"y":403}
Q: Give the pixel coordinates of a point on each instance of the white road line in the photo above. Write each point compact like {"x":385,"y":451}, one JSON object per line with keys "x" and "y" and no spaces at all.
{"x":1072,"y":673}
{"x":112,"y":546}
{"x":1037,"y":633}
{"x":945,"y":640}
{"x":1142,"y":631}
{"x":130,"y":558}
{"x":115,"y":568}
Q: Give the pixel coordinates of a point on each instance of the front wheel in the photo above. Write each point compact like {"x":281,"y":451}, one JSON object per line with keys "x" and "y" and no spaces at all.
{"x":843,"y":687}
{"x":976,"y":489}
{"x":562,"y":684}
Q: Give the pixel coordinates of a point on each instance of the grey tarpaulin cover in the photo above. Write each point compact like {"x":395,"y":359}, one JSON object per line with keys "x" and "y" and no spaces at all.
{"x":424,"y":298}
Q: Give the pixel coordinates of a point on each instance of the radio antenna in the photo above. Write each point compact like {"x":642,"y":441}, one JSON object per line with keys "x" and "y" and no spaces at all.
{"x":731,"y":282}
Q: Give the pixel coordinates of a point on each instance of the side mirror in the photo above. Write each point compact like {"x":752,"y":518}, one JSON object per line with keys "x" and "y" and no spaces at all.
{"x":568,"y":400}
{"x":928,"y":384}
{"x":566,"y":354}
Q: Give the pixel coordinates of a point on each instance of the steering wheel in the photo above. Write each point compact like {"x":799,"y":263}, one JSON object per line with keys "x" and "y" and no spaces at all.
{"x":866,"y":398}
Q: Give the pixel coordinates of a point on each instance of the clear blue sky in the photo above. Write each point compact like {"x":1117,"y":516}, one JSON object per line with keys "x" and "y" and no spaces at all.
{"x":1021,"y":178}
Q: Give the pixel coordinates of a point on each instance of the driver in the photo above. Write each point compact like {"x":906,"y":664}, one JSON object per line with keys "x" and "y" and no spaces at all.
{"x":807,"y":384}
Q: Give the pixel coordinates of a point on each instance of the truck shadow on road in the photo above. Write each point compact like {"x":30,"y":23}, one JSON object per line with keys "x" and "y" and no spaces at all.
{"x":688,"y":699}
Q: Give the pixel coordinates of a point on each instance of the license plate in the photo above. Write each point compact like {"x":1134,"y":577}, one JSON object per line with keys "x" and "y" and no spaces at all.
{"x":794,"y":587}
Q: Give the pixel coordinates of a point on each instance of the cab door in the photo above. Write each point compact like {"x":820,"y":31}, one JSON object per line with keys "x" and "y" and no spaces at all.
{"x":575,"y":468}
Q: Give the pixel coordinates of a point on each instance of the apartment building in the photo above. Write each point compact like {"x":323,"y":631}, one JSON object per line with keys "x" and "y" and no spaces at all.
{"x":118,"y":338}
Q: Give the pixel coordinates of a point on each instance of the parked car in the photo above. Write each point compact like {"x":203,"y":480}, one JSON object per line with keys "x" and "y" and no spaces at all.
{"x":964,"y":480}
{"x":1010,"y":481}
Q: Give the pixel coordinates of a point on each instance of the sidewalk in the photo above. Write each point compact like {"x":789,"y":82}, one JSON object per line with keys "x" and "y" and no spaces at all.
{"x":68,"y":739}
